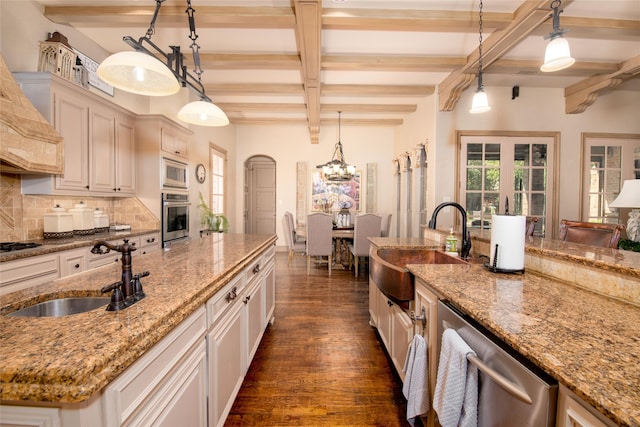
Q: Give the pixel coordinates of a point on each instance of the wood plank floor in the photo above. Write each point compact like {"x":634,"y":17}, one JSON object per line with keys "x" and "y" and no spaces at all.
{"x":320,"y":363}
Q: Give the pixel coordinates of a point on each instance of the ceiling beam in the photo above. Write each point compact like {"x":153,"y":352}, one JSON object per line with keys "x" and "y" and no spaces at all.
{"x":238,"y":89}
{"x":171,"y":16}
{"x":308,"y":37}
{"x":376,"y":90}
{"x":234,"y":107}
{"x":581,"y":95}
{"x":346,"y":62}
{"x":530,"y":15}
{"x":281,"y":121}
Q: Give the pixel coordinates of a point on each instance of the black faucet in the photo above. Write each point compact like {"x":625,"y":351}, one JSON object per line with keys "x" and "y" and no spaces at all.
{"x":465,"y":249}
{"x":126,"y":285}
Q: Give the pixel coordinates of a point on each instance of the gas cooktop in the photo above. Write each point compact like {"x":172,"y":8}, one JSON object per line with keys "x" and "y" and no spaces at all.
{"x":17,"y":246}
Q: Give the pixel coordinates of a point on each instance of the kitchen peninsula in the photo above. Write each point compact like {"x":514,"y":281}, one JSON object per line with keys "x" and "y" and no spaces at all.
{"x":587,"y":341}
{"x":222,"y":285}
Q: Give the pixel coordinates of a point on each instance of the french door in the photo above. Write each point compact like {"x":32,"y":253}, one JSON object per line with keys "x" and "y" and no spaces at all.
{"x":501,"y":169}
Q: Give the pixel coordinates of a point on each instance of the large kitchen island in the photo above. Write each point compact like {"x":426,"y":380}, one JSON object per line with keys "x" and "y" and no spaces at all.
{"x":207,"y":304}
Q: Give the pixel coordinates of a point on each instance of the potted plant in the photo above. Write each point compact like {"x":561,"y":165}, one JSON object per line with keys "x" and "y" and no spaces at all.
{"x":210,"y":220}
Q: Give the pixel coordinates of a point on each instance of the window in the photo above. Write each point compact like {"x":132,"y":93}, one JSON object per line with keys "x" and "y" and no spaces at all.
{"x":608,"y":161}
{"x":217,"y":161}
{"x":514,"y":169}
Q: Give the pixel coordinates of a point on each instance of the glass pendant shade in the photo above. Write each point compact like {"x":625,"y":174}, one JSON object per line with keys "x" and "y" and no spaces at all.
{"x":138,"y":73}
{"x":557,"y":56}
{"x":480,"y":102}
{"x":203,"y":113}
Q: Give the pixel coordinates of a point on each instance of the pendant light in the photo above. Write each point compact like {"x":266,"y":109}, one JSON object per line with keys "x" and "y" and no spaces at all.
{"x":557,"y":56}
{"x":337,"y":170}
{"x":143,"y":72}
{"x":139,"y":71}
{"x":480,"y":102}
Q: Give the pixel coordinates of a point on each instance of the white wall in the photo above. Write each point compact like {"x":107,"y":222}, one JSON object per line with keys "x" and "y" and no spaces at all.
{"x":290,"y":144}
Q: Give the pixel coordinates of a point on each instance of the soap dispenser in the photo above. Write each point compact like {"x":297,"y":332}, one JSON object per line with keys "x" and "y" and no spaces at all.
{"x":451,"y":243}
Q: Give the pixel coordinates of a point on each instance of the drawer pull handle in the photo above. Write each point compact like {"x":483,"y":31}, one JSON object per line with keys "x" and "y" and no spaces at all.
{"x":232,"y":295}
{"x":256,"y":269}
{"x":247,"y":298}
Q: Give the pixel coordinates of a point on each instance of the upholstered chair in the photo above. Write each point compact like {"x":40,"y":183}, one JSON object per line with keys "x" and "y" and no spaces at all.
{"x":296,"y":238}
{"x":385,"y":226}
{"x":531,"y":225}
{"x":591,"y":233}
{"x":289,"y":235}
{"x":319,"y":240}
{"x":365,"y":226}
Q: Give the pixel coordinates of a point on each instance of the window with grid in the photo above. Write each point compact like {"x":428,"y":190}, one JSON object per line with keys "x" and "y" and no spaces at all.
{"x":218,"y":160}
{"x":609,"y":160}
{"x":497,"y":169}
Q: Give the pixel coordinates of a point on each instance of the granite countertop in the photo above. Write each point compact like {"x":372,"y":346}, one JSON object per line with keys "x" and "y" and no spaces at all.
{"x":588,"y":342}
{"x":57,"y":245}
{"x":69,"y":359}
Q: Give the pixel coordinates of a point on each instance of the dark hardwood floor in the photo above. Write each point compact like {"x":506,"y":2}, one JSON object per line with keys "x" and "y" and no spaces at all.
{"x":320,"y":363}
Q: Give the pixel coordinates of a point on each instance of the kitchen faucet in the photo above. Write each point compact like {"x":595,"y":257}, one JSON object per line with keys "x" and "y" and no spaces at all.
{"x":465,"y":249}
{"x":129,"y":289}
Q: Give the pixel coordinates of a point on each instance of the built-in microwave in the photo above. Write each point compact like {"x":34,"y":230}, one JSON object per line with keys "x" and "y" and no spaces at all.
{"x":175,"y":174}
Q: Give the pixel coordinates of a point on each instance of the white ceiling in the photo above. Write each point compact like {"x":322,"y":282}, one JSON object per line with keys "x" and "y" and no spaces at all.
{"x":362,"y":42}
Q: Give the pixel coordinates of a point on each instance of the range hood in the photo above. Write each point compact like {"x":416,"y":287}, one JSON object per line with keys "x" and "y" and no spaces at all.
{"x":28,"y":143}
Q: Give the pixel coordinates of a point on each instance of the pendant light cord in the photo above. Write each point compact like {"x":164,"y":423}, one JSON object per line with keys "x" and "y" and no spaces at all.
{"x":152,"y":25}
{"x":480,"y":51}
{"x":195,"y":47}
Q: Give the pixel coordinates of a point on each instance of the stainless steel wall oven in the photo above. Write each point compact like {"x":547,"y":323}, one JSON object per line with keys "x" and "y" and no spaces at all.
{"x":175,"y":217}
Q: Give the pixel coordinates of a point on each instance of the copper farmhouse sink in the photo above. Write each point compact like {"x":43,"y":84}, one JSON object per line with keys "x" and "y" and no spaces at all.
{"x":387,"y":268}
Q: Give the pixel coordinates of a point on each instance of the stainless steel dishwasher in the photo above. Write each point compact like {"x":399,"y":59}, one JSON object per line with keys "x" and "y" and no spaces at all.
{"x":512,"y":391}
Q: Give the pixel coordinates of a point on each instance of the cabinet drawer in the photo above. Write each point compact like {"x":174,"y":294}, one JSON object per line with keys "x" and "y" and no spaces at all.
{"x":23,"y":273}
{"x":254,"y":269}
{"x":149,"y":243}
{"x":130,"y":390}
{"x":224,"y":298}
{"x":73,"y":261}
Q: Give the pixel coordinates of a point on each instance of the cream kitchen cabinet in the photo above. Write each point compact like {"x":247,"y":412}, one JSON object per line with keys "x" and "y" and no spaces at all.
{"x":73,"y":261}
{"x":99,"y":139}
{"x":573,"y":412}
{"x":26,"y":272}
{"x":395,"y":329}
{"x":174,"y":142}
{"x":148,"y":243}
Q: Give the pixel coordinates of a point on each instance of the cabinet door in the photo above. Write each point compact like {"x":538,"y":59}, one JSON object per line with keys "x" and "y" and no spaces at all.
{"x":71,"y":120}
{"x":125,"y":157}
{"x":254,"y":302}
{"x":427,"y":300}
{"x":270,"y":294}
{"x":384,"y":319}
{"x":27,"y":272}
{"x":173,"y":142}
{"x":373,"y":303}
{"x":102,"y":139}
{"x":401,"y":336}
{"x":227,"y":365}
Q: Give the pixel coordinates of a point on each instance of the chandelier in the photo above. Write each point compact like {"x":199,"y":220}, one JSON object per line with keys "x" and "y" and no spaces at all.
{"x":150,"y":71}
{"x":337,"y":170}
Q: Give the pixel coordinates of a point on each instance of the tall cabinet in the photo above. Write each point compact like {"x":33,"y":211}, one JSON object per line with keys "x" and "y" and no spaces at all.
{"x":99,"y":139}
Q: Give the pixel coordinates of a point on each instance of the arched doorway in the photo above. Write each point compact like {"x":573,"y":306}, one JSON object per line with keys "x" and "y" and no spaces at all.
{"x":260,"y":195}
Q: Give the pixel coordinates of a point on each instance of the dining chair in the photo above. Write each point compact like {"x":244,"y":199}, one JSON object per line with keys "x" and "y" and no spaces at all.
{"x":293,"y":246}
{"x":385,"y":226}
{"x":319,"y":240}
{"x":365,"y":226}
{"x":296,"y":238}
{"x":531,"y":222}
{"x":591,"y":233}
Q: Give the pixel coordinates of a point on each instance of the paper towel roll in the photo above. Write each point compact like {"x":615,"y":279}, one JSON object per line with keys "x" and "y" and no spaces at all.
{"x":507,"y":231}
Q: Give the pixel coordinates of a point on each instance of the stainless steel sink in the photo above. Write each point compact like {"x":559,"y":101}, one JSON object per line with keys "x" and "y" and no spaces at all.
{"x":62,"y":307}
{"x":387,"y":268}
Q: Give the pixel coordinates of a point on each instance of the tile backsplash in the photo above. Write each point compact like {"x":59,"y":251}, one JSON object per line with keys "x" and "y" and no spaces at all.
{"x":22,"y":216}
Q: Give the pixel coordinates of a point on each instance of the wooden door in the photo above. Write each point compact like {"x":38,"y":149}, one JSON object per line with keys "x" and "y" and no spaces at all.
{"x":261,"y":177}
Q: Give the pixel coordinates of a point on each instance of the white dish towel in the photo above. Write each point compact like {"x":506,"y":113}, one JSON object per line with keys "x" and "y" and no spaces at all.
{"x":416,"y":379}
{"x":455,"y":398}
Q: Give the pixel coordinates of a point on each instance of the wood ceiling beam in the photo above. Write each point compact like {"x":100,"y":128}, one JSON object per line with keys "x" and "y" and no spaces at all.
{"x":409,"y":20}
{"x":235,"y":107}
{"x":308,"y":37}
{"x":324,"y":122}
{"x":390,"y":63}
{"x":172,"y":16}
{"x":376,"y":90}
{"x":238,"y":89}
{"x":581,"y":95}
{"x":530,"y":67}
{"x":529,"y":16}
{"x":231,"y":61}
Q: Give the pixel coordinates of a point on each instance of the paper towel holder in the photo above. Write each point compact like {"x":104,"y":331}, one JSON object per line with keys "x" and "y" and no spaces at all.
{"x":494,"y":268}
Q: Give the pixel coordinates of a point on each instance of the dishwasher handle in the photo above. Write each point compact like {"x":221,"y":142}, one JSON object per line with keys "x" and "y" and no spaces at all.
{"x":498,"y":378}
{"x":503,"y":382}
